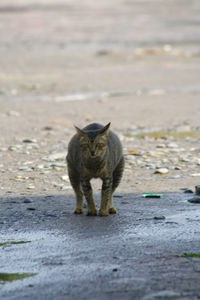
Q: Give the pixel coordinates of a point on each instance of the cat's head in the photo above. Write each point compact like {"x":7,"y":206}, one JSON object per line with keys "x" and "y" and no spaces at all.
{"x":93,"y":142}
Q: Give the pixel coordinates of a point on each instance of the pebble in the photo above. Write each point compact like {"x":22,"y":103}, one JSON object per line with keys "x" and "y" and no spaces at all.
{"x":159,"y":218}
{"x":60,"y":185}
{"x":188,"y":191}
{"x":39,"y":167}
{"x":48,"y":128}
{"x":25,"y":168}
{"x":162,"y":171}
{"x":161,"y":146}
{"x":194,"y":200}
{"x":195,"y":175}
{"x":20,"y":178}
{"x":177,"y":168}
{"x":175,"y":176}
{"x":172,"y":145}
{"x":13,"y":113}
{"x":150,"y":166}
{"x":118,"y":195}
{"x":27,"y":200}
{"x":15,"y":148}
{"x":29,"y":140}
{"x":30,"y":187}
{"x":65,"y":178}
{"x":65,"y":187}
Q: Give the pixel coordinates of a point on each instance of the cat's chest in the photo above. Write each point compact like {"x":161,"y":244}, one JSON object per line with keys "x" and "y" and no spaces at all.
{"x":95,"y":170}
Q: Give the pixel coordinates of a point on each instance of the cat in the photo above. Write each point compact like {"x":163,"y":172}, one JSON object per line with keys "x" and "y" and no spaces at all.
{"x":95,"y":152}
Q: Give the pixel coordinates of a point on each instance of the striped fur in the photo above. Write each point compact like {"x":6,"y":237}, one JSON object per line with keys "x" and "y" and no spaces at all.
{"x":95,"y":152}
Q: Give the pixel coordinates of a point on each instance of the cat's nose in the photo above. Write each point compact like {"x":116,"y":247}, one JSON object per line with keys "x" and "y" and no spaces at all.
{"x":92,"y":152}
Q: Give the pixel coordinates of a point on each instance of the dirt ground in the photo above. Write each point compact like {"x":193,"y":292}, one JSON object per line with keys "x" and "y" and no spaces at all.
{"x":136,"y":64}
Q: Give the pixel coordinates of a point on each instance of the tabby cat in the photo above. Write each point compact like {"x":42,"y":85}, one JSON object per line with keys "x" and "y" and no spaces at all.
{"x":95,"y":152}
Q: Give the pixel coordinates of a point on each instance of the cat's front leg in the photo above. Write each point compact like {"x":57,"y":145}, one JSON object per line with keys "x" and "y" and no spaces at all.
{"x":87,"y":190}
{"x":106,"y":194}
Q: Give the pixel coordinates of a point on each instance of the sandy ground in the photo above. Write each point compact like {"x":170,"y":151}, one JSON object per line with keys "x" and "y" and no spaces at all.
{"x":133,"y":63}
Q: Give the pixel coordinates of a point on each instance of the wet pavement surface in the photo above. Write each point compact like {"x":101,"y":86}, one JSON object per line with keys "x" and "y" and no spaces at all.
{"x":135,"y":254}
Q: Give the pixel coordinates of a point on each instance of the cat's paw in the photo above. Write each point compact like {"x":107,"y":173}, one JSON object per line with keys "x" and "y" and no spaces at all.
{"x":78,"y":211}
{"x":92,"y":212}
{"x":103,"y":213}
{"x":112,"y":210}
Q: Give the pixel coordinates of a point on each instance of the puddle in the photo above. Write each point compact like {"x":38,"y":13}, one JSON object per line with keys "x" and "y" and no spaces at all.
{"x":8,"y":277}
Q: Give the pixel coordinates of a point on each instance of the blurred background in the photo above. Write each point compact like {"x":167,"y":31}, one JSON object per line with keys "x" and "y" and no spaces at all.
{"x":135,"y":63}
{"x":54,"y":49}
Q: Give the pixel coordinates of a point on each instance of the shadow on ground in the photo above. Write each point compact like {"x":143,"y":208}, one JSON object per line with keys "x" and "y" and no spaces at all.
{"x":135,"y":254}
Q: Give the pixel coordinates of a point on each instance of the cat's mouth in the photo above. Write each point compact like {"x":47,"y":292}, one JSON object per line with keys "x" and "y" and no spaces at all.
{"x":93,"y":156}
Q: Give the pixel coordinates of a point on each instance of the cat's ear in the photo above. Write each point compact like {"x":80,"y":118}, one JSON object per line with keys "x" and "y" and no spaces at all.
{"x":105,"y":130}
{"x":80,"y":132}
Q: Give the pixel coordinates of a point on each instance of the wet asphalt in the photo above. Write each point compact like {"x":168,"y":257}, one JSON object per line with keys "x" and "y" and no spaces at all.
{"x":135,"y":254}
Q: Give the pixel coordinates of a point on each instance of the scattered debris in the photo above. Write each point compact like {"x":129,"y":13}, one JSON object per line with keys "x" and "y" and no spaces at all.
{"x":15,"y":276}
{"x":190,"y":255}
{"x":162,"y":171}
{"x":152,"y":195}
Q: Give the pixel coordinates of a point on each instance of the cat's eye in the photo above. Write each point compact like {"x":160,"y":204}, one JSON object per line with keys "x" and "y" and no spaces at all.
{"x":100,"y":145}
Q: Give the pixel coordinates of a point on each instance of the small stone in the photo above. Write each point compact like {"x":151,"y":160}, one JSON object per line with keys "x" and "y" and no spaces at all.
{"x":20,"y":178}
{"x":194,"y":200}
{"x":27,"y":200}
{"x":65,"y":178}
{"x":159,"y":218}
{"x":125,"y":202}
{"x":118,"y":196}
{"x":65,"y":187}
{"x":184,"y":159}
{"x":188,"y":191}
{"x":31,"y":208}
{"x":13,"y":113}
{"x":30,"y":187}
{"x":55,"y":184}
{"x":150,"y":166}
{"x":177,"y":168}
{"x":175,"y":176}
{"x":39,"y":167}
{"x":161,"y":146}
{"x":195,"y":175}
{"x":172,"y":145}
{"x":162,"y":171}
{"x":29,"y":141}
{"x":12,"y":148}
{"x":25,"y":168}
{"x":48,"y":128}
